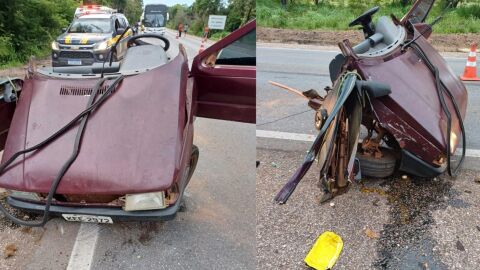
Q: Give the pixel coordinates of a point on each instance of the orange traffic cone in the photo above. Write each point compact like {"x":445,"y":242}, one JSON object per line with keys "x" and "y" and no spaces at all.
{"x":470,"y":73}
{"x":202,"y":48}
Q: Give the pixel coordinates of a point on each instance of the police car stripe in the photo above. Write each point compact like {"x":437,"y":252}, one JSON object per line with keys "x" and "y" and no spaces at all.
{"x":68,"y":39}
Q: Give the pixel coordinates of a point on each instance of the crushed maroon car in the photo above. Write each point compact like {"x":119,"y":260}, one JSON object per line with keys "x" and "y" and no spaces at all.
{"x":399,"y":90}
{"x":114,"y":141}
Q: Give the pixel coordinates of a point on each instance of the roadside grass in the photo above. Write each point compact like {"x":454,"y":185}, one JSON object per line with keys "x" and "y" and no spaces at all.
{"x":14,"y":62}
{"x":335,"y":15}
{"x":11,"y":64}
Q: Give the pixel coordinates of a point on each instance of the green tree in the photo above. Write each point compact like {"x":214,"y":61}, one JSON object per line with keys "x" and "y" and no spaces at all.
{"x":240,"y":12}
{"x":27,"y":27}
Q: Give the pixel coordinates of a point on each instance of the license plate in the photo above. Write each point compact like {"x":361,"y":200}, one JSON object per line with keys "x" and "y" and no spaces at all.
{"x":87,"y":218}
{"x":75,"y":62}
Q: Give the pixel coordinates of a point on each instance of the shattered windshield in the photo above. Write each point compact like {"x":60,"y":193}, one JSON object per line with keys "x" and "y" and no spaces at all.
{"x":154,"y":20}
{"x":90,"y":26}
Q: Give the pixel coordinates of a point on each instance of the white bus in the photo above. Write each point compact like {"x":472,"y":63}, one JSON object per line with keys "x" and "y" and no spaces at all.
{"x":154,"y":18}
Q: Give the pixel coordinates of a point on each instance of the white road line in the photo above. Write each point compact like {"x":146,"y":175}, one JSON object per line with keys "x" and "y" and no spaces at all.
{"x":285,"y":135}
{"x":269,"y":134}
{"x":335,"y":51}
{"x":84,"y":247}
{"x":297,"y":49}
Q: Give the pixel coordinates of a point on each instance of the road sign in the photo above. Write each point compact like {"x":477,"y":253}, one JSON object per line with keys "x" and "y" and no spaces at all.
{"x":217,"y":21}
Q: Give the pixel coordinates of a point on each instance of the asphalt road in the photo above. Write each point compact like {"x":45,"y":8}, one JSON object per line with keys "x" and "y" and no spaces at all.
{"x":416,"y":224}
{"x":215,"y":231}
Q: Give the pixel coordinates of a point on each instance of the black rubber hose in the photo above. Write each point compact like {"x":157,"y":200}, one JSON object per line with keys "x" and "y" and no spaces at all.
{"x":112,"y":49}
{"x":91,"y":106}
{"x":441,"y":87}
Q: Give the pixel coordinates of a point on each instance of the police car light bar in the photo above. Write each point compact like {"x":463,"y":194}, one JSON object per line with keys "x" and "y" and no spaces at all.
{"x":93,"y":9}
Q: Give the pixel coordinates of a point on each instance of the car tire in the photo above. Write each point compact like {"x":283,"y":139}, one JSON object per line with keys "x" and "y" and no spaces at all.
{"x":378,"y":167}
{"x":183,"y":205}
{"x":193,"y":161}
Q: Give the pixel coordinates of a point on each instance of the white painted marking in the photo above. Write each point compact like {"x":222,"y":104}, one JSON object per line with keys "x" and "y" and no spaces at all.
{"x":297,"y":49}
{"x":83,"y":250}
{"x":471,"y":64}
{"x":285,"y":135}
{"x":469,"y":152}
{"x":332,"y":51}
{"x":269,"y":134}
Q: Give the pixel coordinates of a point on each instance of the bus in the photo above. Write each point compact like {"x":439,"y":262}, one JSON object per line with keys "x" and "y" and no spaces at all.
{"x":154,"y":18}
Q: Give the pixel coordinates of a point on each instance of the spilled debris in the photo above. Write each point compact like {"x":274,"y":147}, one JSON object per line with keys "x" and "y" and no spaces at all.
{"x":9,"y":250}
{"x":371,"y":233}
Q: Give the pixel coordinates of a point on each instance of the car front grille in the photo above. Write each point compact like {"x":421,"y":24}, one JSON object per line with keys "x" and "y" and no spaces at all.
{"x":76,"y":55}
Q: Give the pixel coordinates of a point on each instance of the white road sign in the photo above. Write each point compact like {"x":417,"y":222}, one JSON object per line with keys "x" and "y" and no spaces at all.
{"x":217,"y":21}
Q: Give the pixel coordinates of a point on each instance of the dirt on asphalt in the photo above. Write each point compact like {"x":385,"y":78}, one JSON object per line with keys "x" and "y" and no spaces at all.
{"x":390,"y":223}
{"x":442,"y":42}
{"x":16,"y":242}
{"x":20,"y":71}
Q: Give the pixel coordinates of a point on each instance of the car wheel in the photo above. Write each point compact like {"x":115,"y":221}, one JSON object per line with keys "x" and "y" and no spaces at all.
{"x":183,"y":205}
{"x":378,"y":167}
{"x":193,"y":161}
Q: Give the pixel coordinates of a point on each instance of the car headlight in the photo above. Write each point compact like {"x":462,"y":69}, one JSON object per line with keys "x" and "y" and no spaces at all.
{"x":102,"y":46}
{"x":145,"y":201}
{"x":55,"y":46}
{"x":25,"y":195}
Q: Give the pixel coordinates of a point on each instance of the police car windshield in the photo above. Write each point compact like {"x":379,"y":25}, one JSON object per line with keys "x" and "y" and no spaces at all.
{"x":90,"y":26}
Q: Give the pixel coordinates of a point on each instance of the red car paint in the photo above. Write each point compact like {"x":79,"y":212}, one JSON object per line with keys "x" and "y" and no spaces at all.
{"x":133,"y":143}
{"x":139,"y":141}
{"x":422,"y":131}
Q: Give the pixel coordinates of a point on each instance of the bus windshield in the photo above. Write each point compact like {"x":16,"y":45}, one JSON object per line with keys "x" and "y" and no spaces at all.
{"x":154,"y":20}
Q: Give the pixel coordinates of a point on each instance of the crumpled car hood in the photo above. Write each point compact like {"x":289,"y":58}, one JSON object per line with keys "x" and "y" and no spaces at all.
{"x":132,"y":143}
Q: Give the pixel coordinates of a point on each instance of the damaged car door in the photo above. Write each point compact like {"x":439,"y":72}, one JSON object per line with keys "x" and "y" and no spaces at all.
{"x":8,"y":98}
{"x":419,"y":12}
{"x":224,"y":77}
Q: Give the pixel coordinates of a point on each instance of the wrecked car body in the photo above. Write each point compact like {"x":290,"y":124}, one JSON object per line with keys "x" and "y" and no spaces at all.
{"x":400,"y":89}
{"x":130,"y":125}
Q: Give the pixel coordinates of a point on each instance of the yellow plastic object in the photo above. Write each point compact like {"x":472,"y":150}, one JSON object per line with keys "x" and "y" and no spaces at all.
{"x":325,"y":252}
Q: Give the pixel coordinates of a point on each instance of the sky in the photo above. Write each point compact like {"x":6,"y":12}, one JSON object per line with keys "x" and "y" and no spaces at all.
{"x":168,"y":2}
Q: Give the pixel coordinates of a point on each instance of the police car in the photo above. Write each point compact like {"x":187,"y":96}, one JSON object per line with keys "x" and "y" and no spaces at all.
{"x":89,"y":37}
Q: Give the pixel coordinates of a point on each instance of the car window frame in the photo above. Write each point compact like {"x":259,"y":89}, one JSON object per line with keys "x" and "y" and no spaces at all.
{"x":229,"y":45}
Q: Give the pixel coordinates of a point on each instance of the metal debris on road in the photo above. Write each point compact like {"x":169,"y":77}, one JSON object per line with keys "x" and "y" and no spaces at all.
{"x":460,"y":246}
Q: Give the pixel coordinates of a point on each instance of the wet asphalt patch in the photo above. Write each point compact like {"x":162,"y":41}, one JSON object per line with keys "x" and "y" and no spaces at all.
{"x":406,"y":241}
